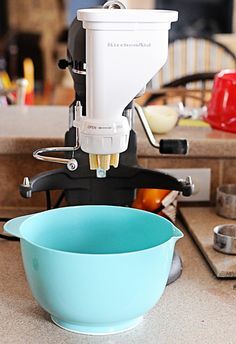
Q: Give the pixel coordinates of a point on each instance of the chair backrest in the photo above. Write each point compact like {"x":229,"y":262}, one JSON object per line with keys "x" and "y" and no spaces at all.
{"x":193,"y":55}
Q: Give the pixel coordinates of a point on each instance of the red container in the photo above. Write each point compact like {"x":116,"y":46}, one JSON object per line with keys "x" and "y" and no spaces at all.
{"x":221,"y":110}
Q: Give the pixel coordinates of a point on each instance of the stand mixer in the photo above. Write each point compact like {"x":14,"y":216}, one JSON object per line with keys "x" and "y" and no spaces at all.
{"x":113,"y":53}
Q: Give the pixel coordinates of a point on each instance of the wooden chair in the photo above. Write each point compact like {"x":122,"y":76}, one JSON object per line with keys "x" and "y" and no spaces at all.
{"x":190,"y":70}
{"x":194,"y":55}
{"x":178,"y":90}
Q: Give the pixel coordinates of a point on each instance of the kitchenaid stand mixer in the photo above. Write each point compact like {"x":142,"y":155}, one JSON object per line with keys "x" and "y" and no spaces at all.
{"x":112,"y":54}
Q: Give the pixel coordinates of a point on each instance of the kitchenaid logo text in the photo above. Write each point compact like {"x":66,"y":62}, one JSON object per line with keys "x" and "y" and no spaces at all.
{"x":128,"y":45}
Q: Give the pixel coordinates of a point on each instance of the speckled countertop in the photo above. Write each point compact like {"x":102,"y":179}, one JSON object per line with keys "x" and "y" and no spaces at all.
{"x":196,"y":309}
{"x":24,"y":129}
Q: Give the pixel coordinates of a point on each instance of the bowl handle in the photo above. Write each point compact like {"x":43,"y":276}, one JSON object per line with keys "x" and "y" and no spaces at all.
{"x":13,"y":226}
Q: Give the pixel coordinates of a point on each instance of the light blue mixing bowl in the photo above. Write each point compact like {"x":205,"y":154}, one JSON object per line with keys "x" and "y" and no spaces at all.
{"x":96,"y":269}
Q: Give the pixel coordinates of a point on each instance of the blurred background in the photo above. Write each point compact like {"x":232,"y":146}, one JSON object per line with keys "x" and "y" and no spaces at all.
{"x":33,"y":36}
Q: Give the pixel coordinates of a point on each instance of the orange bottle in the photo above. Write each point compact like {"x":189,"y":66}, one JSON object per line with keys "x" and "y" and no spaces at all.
{"x":149,"y":199}
{"x":28,"y":67}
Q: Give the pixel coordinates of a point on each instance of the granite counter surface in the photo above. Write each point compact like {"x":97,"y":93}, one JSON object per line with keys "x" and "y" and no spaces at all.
{"x":24,"y":129}
{"x":196,"y":309}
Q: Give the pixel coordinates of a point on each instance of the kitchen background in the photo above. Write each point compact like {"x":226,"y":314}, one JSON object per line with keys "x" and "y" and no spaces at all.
{"x":40,"y":26}
{"x":33,"y":37}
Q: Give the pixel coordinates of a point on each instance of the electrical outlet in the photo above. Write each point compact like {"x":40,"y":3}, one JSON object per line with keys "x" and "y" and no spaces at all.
{"x":201,"y":178}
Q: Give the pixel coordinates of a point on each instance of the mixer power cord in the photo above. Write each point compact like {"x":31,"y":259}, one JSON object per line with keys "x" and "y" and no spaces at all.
{"x":8,"y":237}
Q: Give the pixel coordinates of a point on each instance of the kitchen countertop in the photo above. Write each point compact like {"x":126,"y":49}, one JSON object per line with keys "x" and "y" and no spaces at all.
{"x":196,"y":309}
{"x":24,"y":129}
{"x":223,"y":265}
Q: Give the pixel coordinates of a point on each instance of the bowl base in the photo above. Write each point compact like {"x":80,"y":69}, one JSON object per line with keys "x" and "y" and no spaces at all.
{"x":97,"y":329}
{"x":176,"y":268}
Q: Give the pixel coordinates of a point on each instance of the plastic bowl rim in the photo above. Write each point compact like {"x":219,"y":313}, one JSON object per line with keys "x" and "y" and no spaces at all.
{"x":97,"y":254}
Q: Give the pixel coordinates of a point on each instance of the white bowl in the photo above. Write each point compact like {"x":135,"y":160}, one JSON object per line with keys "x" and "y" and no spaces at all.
{"x":161,"y":118}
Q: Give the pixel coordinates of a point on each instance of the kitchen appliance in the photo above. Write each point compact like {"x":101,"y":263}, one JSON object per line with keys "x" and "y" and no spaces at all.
{"x":96,"y":269}
{"x":110,"y":61}
{"x":221,"y":110}
{"x":112,"y":53}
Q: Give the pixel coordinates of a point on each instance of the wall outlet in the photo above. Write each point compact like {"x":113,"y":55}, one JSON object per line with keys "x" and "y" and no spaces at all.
{"x":201,"y":178}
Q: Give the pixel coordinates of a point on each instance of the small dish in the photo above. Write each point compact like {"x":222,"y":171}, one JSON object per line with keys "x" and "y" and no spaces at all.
{"x":225,"y":238}
{"x":161,"y":118}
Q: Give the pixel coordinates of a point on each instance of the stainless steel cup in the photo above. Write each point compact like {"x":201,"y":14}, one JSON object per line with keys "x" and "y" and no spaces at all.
{"x":226,"y":201}
{"x":225,"y":238}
